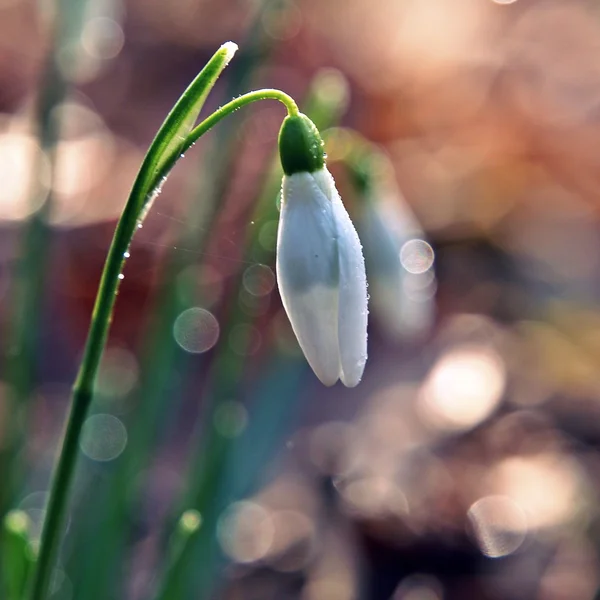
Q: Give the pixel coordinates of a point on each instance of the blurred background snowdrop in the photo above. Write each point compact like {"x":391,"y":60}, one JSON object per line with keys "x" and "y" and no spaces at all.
{"x":400,"y":262}
{"x":465,"y":464}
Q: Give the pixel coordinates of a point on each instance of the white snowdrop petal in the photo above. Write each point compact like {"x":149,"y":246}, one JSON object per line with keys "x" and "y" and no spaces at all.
{"x":307,"y":272}
{"x":314,"y":320}
{"x":353,"y":311}
{"x":306,"y":238}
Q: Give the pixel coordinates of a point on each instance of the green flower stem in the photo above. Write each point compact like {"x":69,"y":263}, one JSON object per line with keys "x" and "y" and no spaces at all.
{"x":236,"y":104}
{"x":155,"y":167}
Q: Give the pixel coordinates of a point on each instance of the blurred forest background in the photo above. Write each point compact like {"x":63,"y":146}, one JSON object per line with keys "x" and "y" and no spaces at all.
{"x":466,"y":464}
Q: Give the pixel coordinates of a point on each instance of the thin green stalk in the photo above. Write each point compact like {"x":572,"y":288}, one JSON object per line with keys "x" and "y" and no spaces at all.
{"x":167,"y":147}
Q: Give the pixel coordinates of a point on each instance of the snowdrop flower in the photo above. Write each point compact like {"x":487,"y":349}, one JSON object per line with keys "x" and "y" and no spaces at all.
{"x":399,"y":260}
{"x":320,"y":266}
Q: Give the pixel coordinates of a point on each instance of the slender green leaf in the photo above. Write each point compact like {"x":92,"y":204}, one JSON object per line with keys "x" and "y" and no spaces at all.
{"x":162,"y":155}
{"x":170,"y":139}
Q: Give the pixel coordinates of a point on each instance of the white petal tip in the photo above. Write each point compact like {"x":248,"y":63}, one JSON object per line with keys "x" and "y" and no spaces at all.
{"x":351,"y":375}
{"x":326,"y":376}
{"x":230,"y":49}
{"x":327,"y":382}
{"x":351,"y":382}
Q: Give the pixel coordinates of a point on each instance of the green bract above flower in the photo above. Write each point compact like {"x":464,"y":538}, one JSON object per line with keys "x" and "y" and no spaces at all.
{"x":320,"y":269}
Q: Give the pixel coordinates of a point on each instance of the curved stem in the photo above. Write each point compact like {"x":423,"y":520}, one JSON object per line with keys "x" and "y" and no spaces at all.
{"x":236,"y":104}
{"x":98,"y":334}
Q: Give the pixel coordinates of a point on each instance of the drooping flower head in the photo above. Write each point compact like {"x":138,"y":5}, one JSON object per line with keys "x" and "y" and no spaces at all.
{"x":320,"y":266}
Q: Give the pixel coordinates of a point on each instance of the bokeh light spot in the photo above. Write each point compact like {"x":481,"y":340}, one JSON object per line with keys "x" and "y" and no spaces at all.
{"x":416,"y":256}
{"x":419,"y":587}
{"x":267,"y":236}
{"x":17,"y":521}
{"x":118,"y":373}
{"x":463,"y":388}
{"x":231,"y":419}
{"x":196,"y":330}
{"x":282,"y":22}
{"x":499,"y":524}
{"x":374,"y":496}
{"x":103,"y":437}
{"x":24,"y":170}
{"x":246,"y":532}
{"x":102,"y":38}
{"x":259,"y":280}
{"x":34,"y":505}
{"x":545,"y":486}
{"x":190,"y":521}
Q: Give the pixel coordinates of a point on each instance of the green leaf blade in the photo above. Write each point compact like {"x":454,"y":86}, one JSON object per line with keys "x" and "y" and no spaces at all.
{"x":166,"y":147}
